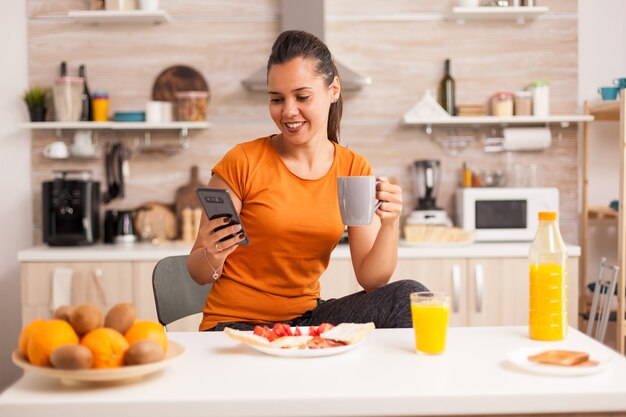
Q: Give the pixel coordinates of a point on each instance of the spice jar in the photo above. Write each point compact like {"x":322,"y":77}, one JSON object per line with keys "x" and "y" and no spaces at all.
{"x":100,"y":105}
{"x":502,"y":104}
{"x":191,"y":105}
{"x":541,"y":97}
{"x":523,"y":105}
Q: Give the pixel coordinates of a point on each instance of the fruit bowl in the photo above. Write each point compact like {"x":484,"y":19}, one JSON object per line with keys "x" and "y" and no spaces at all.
{"x":101,"y":377}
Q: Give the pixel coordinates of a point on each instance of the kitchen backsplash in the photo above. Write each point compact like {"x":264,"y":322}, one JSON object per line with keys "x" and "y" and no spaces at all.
{"x":400,"y":44}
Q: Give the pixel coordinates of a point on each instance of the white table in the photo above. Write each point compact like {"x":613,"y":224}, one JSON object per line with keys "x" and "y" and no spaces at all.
{"x":382,"y":377}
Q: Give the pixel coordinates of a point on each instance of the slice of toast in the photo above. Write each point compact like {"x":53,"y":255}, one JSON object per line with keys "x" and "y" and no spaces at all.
{"x":349,"y":333}
{"x":560,"y":357}
{"x":289,"y":342}
{"x":247,"y":337}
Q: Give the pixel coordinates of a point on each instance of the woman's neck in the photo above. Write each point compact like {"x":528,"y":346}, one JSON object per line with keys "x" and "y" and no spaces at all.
{"x":310,"y":160}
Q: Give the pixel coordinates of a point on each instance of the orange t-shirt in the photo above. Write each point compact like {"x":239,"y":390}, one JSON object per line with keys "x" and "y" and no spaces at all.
{"x":293,"y":225}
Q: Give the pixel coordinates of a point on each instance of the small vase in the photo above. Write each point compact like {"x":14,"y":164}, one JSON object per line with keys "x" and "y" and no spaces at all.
{"x":37,"y":113}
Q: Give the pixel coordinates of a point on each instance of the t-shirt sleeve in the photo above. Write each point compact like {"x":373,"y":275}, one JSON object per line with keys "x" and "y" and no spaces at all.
{"x":361,"y":166}
{"x":234,"y":168}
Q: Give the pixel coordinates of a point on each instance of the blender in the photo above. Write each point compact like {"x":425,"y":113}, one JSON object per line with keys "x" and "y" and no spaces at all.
{"x":426,"y":174}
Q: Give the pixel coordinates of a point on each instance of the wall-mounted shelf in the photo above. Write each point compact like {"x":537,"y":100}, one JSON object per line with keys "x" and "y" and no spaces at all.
{"x":184,"y":127}
{"x":563,"y":120}
{"x":519,"y":14}
{"x":601,"y":212}
{"x":120,"y":16}
{"x":605,"y":111}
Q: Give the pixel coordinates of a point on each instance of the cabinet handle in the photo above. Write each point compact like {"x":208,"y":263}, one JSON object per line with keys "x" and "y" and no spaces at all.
{"x":479,"y":281}
{"x":456,"y":287}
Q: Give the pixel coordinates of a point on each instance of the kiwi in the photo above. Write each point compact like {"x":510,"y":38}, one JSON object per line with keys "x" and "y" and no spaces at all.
{"x":144,"y":351}
{"x":85,"y":318}
{"x":71,"y":357}
{"x":63,"y":313}
{"x":120,"y":317}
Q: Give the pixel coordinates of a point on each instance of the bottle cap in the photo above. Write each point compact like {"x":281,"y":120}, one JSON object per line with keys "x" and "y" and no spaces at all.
{"x":547,"y":215}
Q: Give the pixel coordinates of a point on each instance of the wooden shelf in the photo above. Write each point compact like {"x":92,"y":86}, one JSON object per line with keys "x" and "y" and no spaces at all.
{"x":519,"y":14}
{"x":494,"y":120}
{"x":605,"y":111}
{"x":120,"y":16}
{"x":601,"y":212}
{"x":115,"y":125}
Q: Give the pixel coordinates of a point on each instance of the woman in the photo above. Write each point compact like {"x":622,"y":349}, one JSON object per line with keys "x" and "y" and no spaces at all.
{"x":285,"y":188}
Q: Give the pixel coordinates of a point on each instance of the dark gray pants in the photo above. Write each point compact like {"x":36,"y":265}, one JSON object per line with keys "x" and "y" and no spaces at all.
{"x":387,"y":307}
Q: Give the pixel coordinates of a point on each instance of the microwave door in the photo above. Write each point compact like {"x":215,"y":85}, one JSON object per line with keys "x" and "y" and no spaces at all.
{"x":501,"y":220}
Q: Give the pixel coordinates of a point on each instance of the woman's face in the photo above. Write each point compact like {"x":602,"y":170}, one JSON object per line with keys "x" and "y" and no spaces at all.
{"x":299,"y":100}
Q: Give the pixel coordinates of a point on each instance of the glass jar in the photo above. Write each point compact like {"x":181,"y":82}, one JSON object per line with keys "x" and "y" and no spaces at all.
{"x":541,"y":97}
{"x":67,"y":94}
{"x":502,"y":104}
{"x":192,"y":105}
{"x":523,"y":105}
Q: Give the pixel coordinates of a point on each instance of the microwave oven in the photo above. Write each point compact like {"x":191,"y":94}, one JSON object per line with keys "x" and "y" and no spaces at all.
{"x":503,"y":214}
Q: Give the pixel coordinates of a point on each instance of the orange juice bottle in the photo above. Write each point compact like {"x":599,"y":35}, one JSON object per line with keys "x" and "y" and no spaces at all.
{"x":548,"y":281}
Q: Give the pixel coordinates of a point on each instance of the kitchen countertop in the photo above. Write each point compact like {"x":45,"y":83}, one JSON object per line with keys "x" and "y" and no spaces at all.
{"x":149,"y":252}
{"x":383,"y":376}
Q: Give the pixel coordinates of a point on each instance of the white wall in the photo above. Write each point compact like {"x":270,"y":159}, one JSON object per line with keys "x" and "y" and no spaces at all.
{"x":15,"y":204}
{"x":602,"y":57}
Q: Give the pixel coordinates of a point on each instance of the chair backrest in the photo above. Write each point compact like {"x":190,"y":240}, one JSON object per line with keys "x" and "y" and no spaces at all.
{"x":176,"y":294}
{"x":603,"y":291}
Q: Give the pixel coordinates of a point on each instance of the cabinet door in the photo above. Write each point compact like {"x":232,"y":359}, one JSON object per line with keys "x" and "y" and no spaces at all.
{"x":441,"y":275}
{"x":338,"y":280}
{"x":499,"y":290}
{"x":144,"y":296}
{"x":101,"y":283}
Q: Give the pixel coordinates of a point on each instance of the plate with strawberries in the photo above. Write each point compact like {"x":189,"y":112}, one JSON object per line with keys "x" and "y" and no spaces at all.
{"x":303,"y":342}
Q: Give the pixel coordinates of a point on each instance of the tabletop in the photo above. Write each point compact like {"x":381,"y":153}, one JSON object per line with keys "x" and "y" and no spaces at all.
{"x":382,"y":376}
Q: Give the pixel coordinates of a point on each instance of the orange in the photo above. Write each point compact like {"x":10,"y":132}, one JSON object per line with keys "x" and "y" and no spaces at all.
{"x":141,"y":330}
{"x":108,"y":347}
{"x":22,"y":344}
{"x":47,"y":336}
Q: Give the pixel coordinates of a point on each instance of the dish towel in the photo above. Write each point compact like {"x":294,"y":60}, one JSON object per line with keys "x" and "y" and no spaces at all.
{"x":61,"y":293}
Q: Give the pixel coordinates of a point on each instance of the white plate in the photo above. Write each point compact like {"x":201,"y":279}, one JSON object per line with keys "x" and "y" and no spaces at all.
{"x":433,"y":244}
{"x":114,"y":376}
{"x":305,"y":353}
{"x":519,"y":358}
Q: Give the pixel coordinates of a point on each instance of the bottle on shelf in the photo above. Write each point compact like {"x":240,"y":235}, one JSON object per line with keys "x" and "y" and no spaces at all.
{"x":447,"y":91}
{"x":63,"y":69}
{"x":548,"y":281}
{"x":87,"y":112}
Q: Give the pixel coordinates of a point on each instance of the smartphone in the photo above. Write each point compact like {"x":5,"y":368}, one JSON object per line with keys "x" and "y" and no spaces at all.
{"x":217,"y":203}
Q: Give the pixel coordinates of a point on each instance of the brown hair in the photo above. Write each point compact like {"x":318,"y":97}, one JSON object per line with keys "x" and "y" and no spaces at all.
{"x":293,"y":44}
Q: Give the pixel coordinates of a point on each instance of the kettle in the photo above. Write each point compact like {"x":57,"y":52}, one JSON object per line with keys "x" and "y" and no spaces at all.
{"x":119,"y":227}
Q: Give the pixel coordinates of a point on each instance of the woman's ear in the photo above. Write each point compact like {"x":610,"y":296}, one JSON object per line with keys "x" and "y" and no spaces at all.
{"x":335,"y":89}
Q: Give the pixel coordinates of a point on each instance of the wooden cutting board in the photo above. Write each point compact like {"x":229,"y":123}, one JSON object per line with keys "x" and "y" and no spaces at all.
{"x":186,"y":195}
{"x":175,"y":79}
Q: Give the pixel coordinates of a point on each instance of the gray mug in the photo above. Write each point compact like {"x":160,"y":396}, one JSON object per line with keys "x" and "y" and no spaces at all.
{"x":357,"y":199}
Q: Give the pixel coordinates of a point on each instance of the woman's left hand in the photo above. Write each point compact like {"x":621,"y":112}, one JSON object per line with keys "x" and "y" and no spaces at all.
{"x":391,"y":197}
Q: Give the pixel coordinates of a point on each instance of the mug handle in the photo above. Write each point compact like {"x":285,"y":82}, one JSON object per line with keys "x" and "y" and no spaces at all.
{"x":378,"y":202}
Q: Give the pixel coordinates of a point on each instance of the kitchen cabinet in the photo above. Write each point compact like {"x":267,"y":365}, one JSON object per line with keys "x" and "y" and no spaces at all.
{"x":101,"y":283}
{"x":607,"y":111}
{"x":484,"y":291}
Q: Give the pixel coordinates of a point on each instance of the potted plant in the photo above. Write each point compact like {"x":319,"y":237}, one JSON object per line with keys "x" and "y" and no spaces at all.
{"x":35,"y":99}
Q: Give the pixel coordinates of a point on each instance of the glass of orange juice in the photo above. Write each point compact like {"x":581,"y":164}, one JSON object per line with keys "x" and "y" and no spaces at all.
{"x":429,"y":311}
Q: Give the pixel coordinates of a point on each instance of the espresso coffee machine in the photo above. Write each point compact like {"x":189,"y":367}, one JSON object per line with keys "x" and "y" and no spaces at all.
{"x":71,"y":209}
{"x":425,"y":174}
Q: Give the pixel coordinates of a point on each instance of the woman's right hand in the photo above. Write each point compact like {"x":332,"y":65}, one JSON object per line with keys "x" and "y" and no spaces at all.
{"x":217,"y":248}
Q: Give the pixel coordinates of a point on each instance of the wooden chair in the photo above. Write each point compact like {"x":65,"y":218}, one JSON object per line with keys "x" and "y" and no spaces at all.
{"x":176,"y":294}
{"x":603,"y":291}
